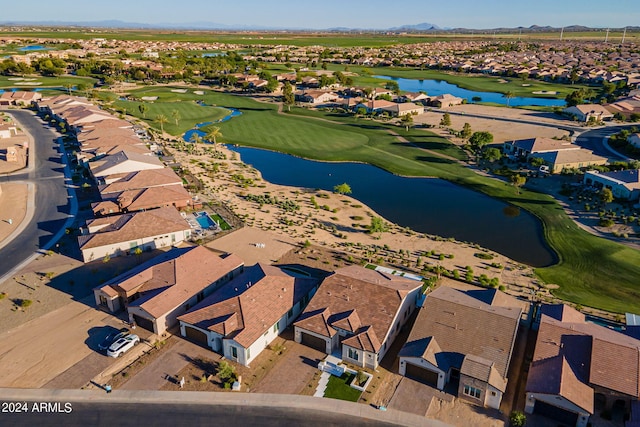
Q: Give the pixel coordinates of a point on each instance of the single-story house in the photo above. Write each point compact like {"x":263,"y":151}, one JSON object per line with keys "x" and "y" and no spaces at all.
{"x":240,"y":319}
{"x":415,"y":97}
{"x":19,"y":97}
{"x":586,"y":112}
{"x":145,"y":178}
{"x":156,"y":292}
{"x":624,"y":185}
{"x":399,"y":110}
{"x":143,"y":199}
{"x":375,"y":105}
{"x":466,"y":335}
{"x":526,"y":147}
{"x":445,"y":100}
{"x":121,"y":234}
{"x":580,"y":367}
{"x":357,"y":312}
{"x":570,"y":159}
{"x":120,"y":163}
{"x":317,"y":97}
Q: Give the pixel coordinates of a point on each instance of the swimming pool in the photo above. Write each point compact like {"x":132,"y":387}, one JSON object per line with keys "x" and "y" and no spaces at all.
{"x":204,"y":220}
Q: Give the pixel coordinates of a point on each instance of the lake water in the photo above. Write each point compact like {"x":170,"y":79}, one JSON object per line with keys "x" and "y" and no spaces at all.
{"x":33,"y":48}
{"x":196,"y":131}
{"x":427,"y":205}
{"x":440,"y":87}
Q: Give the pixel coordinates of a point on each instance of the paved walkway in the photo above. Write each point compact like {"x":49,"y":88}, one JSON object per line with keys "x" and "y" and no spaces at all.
{"x":169,"y":363}
{"x":293,"y":372}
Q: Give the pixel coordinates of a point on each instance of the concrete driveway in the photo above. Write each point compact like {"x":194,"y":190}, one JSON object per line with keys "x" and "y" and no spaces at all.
{"x":36,"y":352}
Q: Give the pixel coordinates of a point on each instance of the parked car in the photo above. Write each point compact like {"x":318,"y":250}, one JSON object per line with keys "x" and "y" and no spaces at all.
{"x":123,"y":345}
{"x":111,"y":338}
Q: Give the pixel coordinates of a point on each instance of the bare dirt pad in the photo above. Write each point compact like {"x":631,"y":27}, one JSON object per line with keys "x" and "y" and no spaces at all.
{"x":13,"y":205}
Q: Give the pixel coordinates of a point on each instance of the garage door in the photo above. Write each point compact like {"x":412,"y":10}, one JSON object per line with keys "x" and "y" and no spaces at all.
{"x":566,"y":417}
{"x":196,"y":335}
{"x":422,"y":375}
{"x":143,"y":322}
{"x":314,"y":342}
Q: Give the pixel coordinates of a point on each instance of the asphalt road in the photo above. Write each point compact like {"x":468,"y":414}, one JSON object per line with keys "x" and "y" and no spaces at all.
{"x":172,"y":415}
{"x":593,"y":140}
{"x":52,"y":206}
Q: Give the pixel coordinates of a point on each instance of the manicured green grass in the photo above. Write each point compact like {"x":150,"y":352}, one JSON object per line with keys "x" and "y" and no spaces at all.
{"x":190,"y":113}
{"x":591,"y":271}
{"x":11,"y":81}
{"x":338,"y":388}
{"x":221,"y":222}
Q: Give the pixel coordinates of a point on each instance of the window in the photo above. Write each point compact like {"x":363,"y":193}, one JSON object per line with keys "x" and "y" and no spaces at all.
{"x":103,"y":300}
{"x":248,"y":353}
{"x":472,"y":391}
{"x":276,"y":327}
{"x":290,"y":314}
{"x":353,"y":354}
{"x":234,"y":352}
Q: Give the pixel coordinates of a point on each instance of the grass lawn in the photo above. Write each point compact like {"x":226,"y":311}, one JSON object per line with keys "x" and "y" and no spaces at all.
{"x":190,"y":113}
{"x":474,"y":82}
{"x":338,"y":388}
{"x":12,"y":81}
{"x":223,"y":224}
{"x":591,"y":271}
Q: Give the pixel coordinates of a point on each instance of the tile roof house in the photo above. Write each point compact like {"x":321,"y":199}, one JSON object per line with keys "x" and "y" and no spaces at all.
{"x":357,"y":312}
{"x":586,"y":112}
{"x":141,"y":179}
{"x":624,"y":184}
{"x":579,"y":367}
{"x":570,"y":159}
{"x":143,"y":199}
{"x":122,"y":162}
{"x":156,"y":292}
{"x":529,"y":146}
{"x":465,"y":334}
{"x":121,"y":234}
{"x":240,"y":319}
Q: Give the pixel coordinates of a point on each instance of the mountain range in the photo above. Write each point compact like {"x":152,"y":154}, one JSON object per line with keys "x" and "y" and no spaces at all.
{"x":205,"y":25}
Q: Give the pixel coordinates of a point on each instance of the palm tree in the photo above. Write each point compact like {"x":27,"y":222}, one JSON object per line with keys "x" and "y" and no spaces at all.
{"x":508,"y":95}
{"x":195,"y":138}
{"x":213,"y":134}
{"x":161,"y":119}
{"x":68,"y":87}
{"x":176,"y":116}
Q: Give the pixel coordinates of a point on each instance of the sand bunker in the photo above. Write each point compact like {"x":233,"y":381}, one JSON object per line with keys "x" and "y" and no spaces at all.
{"x":149,"y":98}
{"x":179,"y":90}
{"x":198,"y":92}
{"x":545,"y":92}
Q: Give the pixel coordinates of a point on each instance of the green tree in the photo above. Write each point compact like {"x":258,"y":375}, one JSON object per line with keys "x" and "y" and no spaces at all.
{"x":518,"y":181}
{"x":176,"y":116}
{"x":393,"y":86}
{"x":446,"y":120}
{"x":68,"y":87}
{"x":517,"y":419}
{"x":606,"y":195}
{"x":161,"y":119}
{"x":378,"y":226}
{"x":288,"y":98}
{"x":492,"y":154}
{"x":480,"y":139}
{"x":466,"y":131}
{"x":213,"y":134}
{"x":226,"y":371}
{"x":407,"y":121}
{"x":143,"y":108}
{"x":195,"y":138}
{"x":343,"y":188}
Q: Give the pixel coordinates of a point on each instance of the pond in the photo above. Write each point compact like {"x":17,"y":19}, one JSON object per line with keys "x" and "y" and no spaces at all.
{"x":196,"y":131}
{"x":426,"y":205}
{"x":440,"y":87}
{"x":32,"y":48}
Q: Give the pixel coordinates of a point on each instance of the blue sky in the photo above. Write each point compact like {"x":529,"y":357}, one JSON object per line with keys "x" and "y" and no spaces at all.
{"x":335,"y":13}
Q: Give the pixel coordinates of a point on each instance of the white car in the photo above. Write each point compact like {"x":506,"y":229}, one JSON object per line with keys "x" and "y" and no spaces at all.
{"x":123,"y":345}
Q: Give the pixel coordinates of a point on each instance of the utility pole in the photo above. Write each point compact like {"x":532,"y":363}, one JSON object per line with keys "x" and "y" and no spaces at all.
{"x":623,"y":35}
{"x":561,"y":33}
{"x":606,"y":37}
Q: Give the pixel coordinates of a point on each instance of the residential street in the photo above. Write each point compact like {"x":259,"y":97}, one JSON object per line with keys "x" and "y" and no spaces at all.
{"x":52,"y":203}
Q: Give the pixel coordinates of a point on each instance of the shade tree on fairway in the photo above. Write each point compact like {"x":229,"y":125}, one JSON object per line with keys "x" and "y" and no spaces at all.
{"x":143,"y":108}
{"x":176,"y":116}
{"x":288,"y":98}
{"x":518,"y":181}
{"x":407,"y":121}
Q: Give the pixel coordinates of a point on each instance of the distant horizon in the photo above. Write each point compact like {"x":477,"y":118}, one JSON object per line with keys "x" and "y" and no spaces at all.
{"x":303,"y":15}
